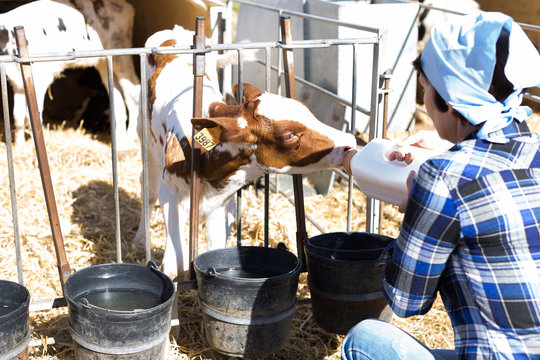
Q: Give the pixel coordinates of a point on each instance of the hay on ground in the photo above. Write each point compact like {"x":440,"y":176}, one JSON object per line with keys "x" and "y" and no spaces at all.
{"x":82,"y":178}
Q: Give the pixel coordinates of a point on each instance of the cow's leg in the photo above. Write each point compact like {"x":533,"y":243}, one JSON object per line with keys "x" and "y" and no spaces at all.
{"x":154,"y":175}
{"x":173,"y":258}
{"x":175,"y":263}
{"x":119,"y":108}
{"x":20,"y":108}
{"x":218,"y":224}
{"x":19,"y":115}
{"x":130,"y":88}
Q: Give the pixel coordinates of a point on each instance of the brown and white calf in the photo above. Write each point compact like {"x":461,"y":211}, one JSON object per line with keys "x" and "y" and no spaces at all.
{"x":267,"y":133}
{"x":55,"y":27}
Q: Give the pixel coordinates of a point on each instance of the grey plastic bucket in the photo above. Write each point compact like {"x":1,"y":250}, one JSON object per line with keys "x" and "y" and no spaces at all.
{"x":345,"y":283}
{"x":112,"y":332}
{"x":248,"y":298}
{"x":14,"y":328}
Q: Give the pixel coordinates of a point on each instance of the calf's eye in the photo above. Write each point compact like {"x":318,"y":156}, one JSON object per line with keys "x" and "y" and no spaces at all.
{"x":289,"y":137}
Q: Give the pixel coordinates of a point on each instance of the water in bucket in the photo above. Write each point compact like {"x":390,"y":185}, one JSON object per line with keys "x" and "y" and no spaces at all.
{"x":247,"y":273}
{"x":122,"y":299}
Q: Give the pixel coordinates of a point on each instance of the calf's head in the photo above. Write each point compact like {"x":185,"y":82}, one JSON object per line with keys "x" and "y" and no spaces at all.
{"x":271,"y":134}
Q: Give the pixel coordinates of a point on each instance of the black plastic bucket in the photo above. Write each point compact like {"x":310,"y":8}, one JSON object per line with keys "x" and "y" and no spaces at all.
{"x":14,"y":328}
{"x":119,"y":311}
{"x":345,"y":284}
{"x":248,"y":298}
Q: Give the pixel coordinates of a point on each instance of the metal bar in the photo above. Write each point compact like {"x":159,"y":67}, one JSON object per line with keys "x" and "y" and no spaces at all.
{"x":386,"y":89}
{"x":50,"y":340}
{"x":352,"y":129}
{"x":375,"y":131}
{"x":280,"y":73}
{"x":143,"y":111}
{"x":532,"y":97}
{"x":166,"y":50}
{"x":297,"y":44}
{"x":290,"y":84}
{"x":11,"y":172}
{"x":239,"y":96}
{"x":114,"y":158}
{"x":267,"y":72}
{"x":35,"y":120}
{"x":21,"y":60}
{"x":198,"y":74}
{"x":47,"y":304}
{"x":290,"y":89}
{"x":529,"y":26}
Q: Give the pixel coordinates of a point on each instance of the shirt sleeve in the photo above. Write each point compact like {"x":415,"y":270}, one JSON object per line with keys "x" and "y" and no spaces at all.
{"x":428,"y":235}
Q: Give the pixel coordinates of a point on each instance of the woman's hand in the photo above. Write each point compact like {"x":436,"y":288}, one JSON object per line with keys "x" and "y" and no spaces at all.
{"x":425,"y":139}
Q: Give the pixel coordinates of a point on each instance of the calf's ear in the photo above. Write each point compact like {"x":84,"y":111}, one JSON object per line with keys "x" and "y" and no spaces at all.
{"x":249,"y":93}
{"x":230,"y":130}
{"x":201,"y":123}
{"x":218,"y":109}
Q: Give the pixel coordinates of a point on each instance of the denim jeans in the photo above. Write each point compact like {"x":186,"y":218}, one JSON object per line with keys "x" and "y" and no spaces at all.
{"x":373,"y":339}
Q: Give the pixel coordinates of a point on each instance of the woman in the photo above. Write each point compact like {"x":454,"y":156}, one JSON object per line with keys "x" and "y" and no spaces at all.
{"x":471,"y":229}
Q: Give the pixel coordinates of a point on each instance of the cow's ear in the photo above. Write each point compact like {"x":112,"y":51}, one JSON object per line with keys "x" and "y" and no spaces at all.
{"x":250,"y":92}
{"x":201,"y":123}
{"x":230,"y":130}
{"x":219,"y":109}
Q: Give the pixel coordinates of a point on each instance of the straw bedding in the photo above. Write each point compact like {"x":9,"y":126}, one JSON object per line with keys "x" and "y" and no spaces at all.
{"x":82,"y":178}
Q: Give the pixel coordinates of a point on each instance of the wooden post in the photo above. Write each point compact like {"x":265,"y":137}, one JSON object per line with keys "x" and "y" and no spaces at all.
{"x":199,"y":40}
{"x":290,"y":91}
{"x":39,"y":142}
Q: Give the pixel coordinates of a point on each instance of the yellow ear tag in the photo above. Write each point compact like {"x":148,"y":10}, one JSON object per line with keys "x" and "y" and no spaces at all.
{"x":208,"y":138}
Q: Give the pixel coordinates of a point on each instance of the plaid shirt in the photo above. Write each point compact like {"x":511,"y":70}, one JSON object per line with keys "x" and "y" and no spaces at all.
{"x":472,"y":232}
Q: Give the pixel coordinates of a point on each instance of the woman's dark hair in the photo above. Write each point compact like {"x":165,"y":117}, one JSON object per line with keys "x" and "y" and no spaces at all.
{"x":500,"y":86}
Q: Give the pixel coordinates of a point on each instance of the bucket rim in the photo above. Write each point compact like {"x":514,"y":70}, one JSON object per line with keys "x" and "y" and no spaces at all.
{"x":309,"y":243}
{"x":205,"y":273}
{"x":23,"y":306}
{"x":119,"y":313}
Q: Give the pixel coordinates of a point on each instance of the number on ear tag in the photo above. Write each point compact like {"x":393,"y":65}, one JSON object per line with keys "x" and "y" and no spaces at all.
{"x":208,"y":138}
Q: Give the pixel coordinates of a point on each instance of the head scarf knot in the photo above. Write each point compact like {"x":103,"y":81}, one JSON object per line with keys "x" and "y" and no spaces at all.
{"x":459,"y":59}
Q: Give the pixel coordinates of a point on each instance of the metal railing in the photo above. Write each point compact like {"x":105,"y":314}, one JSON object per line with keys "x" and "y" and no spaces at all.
{"x":142,"y":53}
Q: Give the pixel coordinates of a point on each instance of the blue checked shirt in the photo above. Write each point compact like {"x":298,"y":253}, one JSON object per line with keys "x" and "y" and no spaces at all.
{"x":472,"y":232}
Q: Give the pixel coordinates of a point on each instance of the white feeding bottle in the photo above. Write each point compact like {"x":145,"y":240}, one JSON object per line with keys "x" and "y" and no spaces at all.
{"x":380,"y":178}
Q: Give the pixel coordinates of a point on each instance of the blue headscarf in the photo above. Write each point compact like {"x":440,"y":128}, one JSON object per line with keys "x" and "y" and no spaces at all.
{"x":459,"y":59}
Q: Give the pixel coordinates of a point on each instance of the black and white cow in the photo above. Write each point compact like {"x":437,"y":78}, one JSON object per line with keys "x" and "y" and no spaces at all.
{"x":73,"y":25}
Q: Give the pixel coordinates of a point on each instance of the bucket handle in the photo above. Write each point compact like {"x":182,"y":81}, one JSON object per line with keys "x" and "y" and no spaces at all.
{"x":282,"y":246}
{"x":88,"y":306}
{"x":210,"y":272}
{"x":167,"y":283}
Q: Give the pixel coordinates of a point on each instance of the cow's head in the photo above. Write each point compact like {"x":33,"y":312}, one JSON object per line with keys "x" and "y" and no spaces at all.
{"x":274,"y":134}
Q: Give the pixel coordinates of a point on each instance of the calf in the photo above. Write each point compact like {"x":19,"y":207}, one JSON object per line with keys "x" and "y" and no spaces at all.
{"x":59,"y":27}
{"x":265,"y":134}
